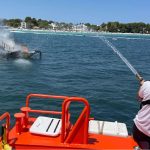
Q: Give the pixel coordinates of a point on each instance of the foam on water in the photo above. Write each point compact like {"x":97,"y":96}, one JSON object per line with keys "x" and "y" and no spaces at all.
{"x":22,"y":63}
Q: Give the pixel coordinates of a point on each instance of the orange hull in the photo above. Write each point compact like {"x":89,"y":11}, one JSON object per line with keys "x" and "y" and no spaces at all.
{"x":28,"y":141}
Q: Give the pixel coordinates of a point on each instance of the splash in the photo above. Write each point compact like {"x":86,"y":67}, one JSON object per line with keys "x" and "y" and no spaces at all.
{"x":22,"y":63}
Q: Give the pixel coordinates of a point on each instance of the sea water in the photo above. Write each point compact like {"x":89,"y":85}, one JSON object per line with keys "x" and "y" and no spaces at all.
{"x":77,"y":65}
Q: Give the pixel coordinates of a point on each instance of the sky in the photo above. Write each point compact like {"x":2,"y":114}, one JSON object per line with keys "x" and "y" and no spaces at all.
{"x":78,"y":11}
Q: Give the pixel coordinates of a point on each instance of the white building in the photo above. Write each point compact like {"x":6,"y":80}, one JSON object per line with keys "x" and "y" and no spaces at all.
{"x":23,"y":25}
{"x":54,"y":26}
{"x":80,"y":28}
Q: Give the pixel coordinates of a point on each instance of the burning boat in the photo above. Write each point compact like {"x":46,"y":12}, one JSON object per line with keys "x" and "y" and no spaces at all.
{"x":10,"y":49}
{"x":18,"y":51}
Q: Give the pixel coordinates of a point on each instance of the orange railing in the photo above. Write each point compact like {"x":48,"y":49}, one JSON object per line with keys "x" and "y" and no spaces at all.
{"x":6,"y":116}
{"x":69,"y":134}
{"x":79,"y":132}
{"x":45,"y":97}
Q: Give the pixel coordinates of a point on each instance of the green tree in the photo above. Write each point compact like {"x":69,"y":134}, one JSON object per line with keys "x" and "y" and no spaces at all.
{"x":13,"y":22}
{"x":43,"y":24}
{"x":28,"y":19}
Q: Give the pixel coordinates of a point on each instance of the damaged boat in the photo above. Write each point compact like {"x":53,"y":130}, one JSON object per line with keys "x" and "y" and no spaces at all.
{"x":18,"y":51}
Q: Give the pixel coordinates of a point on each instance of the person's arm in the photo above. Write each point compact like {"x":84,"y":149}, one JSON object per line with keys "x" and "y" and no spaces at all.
{"x":138,"y":94}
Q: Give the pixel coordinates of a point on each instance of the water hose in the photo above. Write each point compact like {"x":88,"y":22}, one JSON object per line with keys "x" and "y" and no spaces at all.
{"x":133,"y":70}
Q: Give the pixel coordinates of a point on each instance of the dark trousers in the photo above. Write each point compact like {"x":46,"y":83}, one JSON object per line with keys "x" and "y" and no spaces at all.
{"x":142,"y":139}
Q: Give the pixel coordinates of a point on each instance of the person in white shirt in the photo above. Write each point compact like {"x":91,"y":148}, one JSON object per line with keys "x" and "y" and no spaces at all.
{"x":141,"y":127}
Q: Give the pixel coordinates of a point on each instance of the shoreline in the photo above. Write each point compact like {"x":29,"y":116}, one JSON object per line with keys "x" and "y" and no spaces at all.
{"x":75,"y":32}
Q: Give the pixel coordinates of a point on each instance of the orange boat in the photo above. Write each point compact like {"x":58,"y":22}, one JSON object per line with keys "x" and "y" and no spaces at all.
{"x":54,"y":129}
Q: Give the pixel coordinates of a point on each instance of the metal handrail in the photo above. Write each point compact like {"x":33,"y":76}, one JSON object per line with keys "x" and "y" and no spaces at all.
{"x":66,"y":135}
{"x":85,"y":111}
{"x":43,"y":96}
{"x":6,"y":116}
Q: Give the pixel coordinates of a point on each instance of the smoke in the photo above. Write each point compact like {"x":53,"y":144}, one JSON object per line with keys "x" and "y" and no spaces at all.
{"x":6,"y":38}
{"x":7,"y":42}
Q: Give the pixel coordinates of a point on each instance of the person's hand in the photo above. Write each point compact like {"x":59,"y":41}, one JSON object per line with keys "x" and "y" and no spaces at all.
{"x":139,"y":77}
{"x":141,"y":82}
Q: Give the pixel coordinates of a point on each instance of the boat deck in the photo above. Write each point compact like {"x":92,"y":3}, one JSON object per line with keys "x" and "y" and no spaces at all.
{"x":71,"y":136}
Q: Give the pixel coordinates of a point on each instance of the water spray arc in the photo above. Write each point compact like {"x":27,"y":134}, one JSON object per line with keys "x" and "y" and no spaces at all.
{"x":140,"y":78}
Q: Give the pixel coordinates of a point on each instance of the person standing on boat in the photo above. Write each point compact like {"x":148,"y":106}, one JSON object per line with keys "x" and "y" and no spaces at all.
{"x":141,"y":127}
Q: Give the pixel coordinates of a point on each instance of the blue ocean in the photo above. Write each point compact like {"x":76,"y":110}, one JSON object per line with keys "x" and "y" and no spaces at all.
{"x":75,"y":64}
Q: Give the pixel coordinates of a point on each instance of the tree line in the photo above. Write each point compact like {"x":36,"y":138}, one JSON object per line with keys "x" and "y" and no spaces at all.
{"x":137,"y":27}
{"x":31,"y":23}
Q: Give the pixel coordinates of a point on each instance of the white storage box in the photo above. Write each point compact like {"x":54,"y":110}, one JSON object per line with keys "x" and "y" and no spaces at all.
{"x":115,"y":129}
{"x":108,"y":128}
{"x":95,"y":126}
{"x":46,"y":126}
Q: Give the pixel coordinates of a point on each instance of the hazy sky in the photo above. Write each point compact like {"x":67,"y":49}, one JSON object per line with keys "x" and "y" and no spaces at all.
{"x":76,"y":11}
